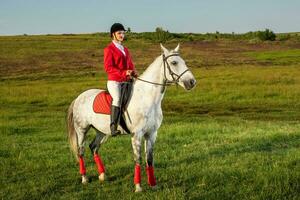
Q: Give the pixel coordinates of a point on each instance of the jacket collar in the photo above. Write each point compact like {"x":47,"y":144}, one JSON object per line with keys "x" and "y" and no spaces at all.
{"x":112,"y":45}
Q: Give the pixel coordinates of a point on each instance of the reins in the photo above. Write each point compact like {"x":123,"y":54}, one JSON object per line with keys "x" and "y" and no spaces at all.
{"x":166,"y":82}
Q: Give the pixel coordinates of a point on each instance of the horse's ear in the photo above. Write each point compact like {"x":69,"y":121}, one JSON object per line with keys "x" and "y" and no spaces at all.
{"x":165,"y":51}
{"x":177,"y":48}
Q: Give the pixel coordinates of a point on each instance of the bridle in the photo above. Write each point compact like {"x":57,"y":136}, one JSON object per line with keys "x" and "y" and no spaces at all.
{"x":166,"y":82}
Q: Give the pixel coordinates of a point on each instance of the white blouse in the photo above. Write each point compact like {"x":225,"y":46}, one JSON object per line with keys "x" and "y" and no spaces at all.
{"x":119,"y":46}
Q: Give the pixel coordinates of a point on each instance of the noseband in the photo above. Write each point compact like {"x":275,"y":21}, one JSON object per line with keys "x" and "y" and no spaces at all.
{"x":166,"y":82}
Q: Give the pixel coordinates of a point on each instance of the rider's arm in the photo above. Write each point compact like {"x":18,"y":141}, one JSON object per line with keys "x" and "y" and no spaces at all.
{"x":109,"y":65}
{"x":130,"y":64}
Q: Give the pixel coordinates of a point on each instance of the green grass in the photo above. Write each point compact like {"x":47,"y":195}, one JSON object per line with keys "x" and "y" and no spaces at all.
{"x":278,"y":57}
{"x":235,"y":136}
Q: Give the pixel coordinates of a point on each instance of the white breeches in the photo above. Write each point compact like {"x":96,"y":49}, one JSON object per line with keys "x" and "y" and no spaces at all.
{"x":114,"y":88}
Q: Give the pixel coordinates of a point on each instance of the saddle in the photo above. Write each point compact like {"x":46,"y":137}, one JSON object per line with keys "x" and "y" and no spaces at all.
{"x":102,"y":103}
{"x":103,"y":100}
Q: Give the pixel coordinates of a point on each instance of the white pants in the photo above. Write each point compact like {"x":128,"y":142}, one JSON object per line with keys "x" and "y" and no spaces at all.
{"x":114,"y":88}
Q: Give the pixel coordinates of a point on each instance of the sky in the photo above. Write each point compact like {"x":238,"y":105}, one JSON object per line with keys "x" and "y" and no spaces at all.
{"x":196,"y":16}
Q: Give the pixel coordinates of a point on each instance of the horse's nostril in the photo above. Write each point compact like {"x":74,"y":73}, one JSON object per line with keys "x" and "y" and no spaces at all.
{"x":192,"y":82}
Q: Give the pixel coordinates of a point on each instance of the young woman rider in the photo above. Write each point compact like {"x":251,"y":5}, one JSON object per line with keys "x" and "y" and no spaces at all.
{"x":119,"y":68}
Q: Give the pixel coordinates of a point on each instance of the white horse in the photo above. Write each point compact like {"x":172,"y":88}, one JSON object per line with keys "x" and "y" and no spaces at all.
{"x":144,"y":114}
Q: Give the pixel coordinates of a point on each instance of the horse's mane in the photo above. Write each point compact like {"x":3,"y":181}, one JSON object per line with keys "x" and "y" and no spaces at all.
{"x":151,"y":65}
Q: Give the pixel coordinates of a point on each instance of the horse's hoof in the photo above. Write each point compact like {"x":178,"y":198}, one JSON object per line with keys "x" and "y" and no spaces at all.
{"x":102,"y":177}
{"x":85,"y":180}
{"x":138,"y":188}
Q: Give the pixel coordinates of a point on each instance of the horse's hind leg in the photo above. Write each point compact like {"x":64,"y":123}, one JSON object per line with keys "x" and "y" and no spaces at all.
{"x":81,"y":133}
{"x":94,"y":146}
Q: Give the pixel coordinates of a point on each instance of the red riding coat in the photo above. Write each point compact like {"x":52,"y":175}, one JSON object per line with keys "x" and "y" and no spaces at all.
{"x":116,"y":63}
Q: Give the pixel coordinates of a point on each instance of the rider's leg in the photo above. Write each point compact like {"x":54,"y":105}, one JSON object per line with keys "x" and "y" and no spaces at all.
{"x":114,"y":89}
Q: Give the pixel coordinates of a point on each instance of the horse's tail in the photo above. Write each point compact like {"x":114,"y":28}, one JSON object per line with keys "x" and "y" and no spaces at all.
{"x":71,"y":131}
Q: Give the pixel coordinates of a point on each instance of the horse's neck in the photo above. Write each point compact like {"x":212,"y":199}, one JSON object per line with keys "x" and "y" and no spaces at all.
{"x":152,"y":92}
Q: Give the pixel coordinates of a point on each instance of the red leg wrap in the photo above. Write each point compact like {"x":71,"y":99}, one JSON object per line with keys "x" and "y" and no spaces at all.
{"x":151,"y":177}
{"x":99,"y":164}
{"x":81,"y":166}
{"x":137,"y":174}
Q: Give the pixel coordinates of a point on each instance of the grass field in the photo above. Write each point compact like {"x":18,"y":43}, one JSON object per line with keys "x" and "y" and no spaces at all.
{"x":235,"y":136}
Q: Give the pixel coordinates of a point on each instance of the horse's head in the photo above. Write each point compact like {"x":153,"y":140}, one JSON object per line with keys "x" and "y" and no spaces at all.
{"x":175,"y":69}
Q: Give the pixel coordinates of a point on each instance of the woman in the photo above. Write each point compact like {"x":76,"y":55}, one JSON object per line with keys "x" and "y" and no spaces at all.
{"x":119,"y":68}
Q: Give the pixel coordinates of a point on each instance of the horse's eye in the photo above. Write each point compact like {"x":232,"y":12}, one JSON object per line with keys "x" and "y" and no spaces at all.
{"x":174,"y":62}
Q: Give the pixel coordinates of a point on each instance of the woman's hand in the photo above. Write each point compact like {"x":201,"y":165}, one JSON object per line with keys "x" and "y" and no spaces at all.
{"x":135,"y":74}
{"x":129,"y":72}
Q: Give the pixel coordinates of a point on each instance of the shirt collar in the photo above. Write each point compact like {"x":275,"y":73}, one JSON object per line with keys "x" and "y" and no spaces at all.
{"x":120,"y":46}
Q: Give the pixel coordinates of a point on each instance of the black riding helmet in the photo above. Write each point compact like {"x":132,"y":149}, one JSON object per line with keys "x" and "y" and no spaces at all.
{"x":116,"y":27}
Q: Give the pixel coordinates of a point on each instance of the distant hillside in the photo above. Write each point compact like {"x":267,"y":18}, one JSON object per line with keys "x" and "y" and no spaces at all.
{"x":161,"y":35}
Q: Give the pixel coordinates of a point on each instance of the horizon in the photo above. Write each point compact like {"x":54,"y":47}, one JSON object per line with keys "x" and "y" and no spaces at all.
{"x":90,"y":33}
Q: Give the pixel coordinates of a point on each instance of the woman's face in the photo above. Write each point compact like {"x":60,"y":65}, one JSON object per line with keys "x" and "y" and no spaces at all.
{"x":119,"y":35}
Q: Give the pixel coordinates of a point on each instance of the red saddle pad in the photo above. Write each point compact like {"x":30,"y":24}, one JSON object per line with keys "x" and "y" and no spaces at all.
{"x":102,"y":103}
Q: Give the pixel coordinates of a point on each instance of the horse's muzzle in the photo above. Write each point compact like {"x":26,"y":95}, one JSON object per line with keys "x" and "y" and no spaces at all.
{"x":190,"y":84}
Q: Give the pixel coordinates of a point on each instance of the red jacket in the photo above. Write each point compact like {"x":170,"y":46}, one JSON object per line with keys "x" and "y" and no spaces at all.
{"x":116,"y":63}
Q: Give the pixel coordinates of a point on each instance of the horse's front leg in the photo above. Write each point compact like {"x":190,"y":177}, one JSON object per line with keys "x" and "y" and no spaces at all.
{"x":149,"y":148}
{"x":136,"y":141}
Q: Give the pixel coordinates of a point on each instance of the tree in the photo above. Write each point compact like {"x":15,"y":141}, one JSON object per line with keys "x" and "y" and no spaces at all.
{"x":161,"y":35}
{"x":266,"y":35}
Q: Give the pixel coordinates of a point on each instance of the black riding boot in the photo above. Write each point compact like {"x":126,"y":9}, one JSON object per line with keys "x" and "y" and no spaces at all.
{"x":114,"y":120}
